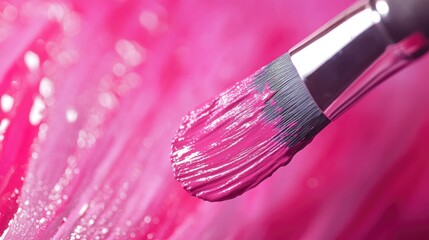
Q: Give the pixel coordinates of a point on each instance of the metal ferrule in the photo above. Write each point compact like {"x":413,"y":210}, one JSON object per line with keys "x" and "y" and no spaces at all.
{"x":361,"y":48}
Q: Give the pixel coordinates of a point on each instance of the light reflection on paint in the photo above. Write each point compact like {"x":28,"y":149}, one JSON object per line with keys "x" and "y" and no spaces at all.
{"x":32,"y":60}
{"x":46,"y":87}
{"x":71,"y":115}
{"x":37,"y":111}
{"x":6,"y":103}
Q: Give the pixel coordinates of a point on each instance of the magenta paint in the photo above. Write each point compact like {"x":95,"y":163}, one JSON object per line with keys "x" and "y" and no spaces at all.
{"x":227,"y":146}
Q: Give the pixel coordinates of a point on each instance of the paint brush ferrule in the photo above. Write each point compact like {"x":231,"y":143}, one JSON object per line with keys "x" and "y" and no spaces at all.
{"x":359,"y":49}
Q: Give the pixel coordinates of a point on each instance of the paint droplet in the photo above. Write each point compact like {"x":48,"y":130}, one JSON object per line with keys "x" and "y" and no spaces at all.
{"x":3,"y":126}
{"x":119,"y":70}
{"x":32,"y":60}
{"x":83,"y":209}
{"x":107,"y":100}
{"x":147,"y":219}
{"x":132,"y":53}
{"x":71,"y":115}
{"x":7,"y":103}
{"x":46,"y":88}
{"x":149,"y":20}
{"x":36,"y":113}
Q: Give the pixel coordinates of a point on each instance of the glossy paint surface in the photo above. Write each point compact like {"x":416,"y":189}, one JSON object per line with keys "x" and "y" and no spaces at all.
{"x":106,"y":86}
{"x":228,"y":146}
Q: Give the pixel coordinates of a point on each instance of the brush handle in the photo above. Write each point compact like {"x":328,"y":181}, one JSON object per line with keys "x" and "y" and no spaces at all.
{"x":359,"y":49}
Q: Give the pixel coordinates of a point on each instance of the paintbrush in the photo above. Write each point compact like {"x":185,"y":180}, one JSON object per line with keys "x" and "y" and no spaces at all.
{"x":242,"y":136}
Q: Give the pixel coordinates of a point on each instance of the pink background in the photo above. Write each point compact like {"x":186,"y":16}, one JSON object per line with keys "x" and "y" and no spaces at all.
{"x":114,"y":79}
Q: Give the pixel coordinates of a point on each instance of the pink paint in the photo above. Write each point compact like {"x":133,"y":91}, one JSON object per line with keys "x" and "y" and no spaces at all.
{"x":100,"y":157}
{"x":227,"y":146}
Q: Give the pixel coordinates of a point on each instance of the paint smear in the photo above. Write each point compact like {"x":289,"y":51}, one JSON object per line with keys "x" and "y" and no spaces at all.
{"x":228,"y":146}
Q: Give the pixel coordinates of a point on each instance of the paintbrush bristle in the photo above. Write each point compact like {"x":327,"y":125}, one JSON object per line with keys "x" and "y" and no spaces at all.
{"x":242,"y":136}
